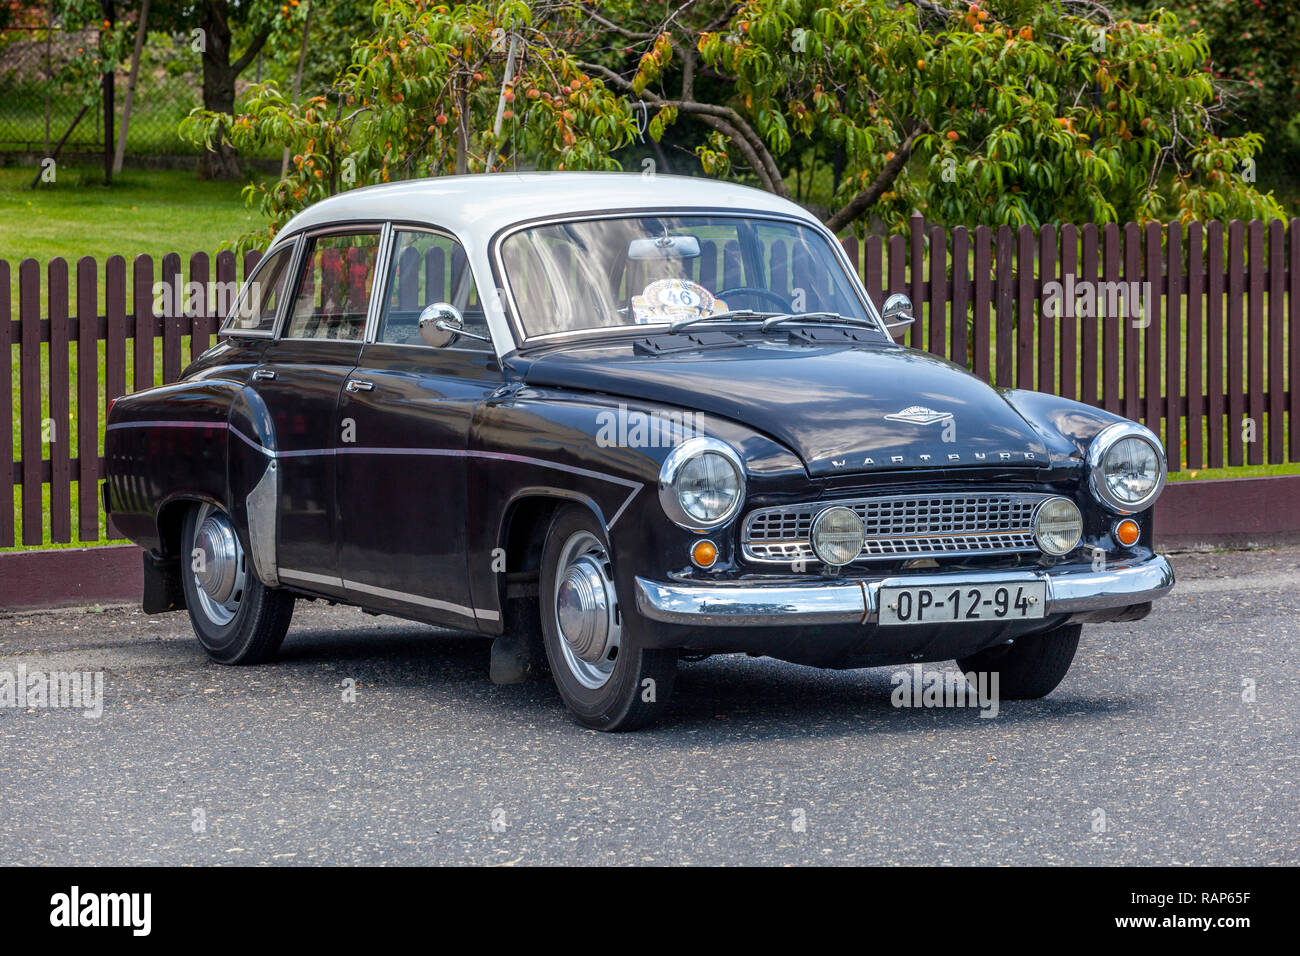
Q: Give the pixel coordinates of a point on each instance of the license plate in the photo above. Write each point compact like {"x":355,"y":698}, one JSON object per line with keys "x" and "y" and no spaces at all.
{"x":952,"y":603}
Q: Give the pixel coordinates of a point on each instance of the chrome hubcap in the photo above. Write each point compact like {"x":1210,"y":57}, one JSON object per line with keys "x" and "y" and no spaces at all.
{"x":586,"y":610}
{"x":217,"y":563}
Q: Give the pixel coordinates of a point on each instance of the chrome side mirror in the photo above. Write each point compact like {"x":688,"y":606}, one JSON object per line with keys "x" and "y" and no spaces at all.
{"x":441,"y":324}
{"x":898,"y":311}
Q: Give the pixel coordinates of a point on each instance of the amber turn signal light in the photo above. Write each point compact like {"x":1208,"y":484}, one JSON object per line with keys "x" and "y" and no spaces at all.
{"x":1126,"y":532}
{"x":704,"y":553}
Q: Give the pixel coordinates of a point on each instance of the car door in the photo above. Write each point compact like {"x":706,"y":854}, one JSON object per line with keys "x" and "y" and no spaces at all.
{"x":300,"y":378}
{"x":405,"y":416}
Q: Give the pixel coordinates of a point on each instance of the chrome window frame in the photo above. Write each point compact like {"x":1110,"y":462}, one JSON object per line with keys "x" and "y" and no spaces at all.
{"x":294,"y":248}
{"x":525,"y":341}
{"x":383,"y":229}
{"x":372,"y":329}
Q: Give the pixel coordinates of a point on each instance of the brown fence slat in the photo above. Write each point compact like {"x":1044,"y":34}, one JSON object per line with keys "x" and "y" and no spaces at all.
{"x":1276,"y":345}
{"x":938,"y":291}
{"x":1046,"y":323}
{"x":6,"y":409}
{"x":916,"y":273}
{"x":1004,"y":270}
{"x":960,"y":296}
{"x":1214,"y":343}
{"x":1255,"y":342}
{"x":1090,"y":379}
{"x":1236,"y":335}
{"x":1110,"y":325}
{"x":1173,"y":348}
{"x":1126,"y":320}
{"x":1293,"y":321}
{"x":1067,"y":322}
{"x":115,"y":344}
{"x":87,"y":400}
{"x":1025,"y":307}
{"x":172,"y":316}
{"x":29,"y":385}
{"x":983,"y":295}
{"x":142,"y":307}
{"x":1150,"y":325}
{"x":1195,"y":409}
{"x":871,"y":269}
{"x":60,"y":423}
{"x":200,"y":320}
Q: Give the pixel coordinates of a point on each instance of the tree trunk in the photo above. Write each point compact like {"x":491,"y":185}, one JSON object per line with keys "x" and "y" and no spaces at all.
{"x":141,"y":27}
{"x":219,"y":73}
{"x":221,"y":161}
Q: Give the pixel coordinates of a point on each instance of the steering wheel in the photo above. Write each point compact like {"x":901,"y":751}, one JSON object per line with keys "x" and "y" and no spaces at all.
{"x":768,"y":294}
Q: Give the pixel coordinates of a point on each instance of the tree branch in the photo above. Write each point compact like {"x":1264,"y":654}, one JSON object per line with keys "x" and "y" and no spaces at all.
{"x":863,"y":200}
{"x":254,"y":48}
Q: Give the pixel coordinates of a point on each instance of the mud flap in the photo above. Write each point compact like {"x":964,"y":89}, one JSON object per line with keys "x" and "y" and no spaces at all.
{"x":163,"y":591}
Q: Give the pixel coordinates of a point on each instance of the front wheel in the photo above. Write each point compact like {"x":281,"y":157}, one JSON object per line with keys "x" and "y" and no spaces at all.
{"x":1030,"y":668}
{"x":605,"y":679}
{"x":237,"y":618}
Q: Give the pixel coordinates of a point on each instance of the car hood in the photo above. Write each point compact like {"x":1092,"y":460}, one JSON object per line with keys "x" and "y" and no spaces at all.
{"x":843,"y":409}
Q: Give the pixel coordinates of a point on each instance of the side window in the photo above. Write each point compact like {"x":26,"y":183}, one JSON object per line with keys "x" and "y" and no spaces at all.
{"x":260,"y":301}
{"x":428,"y":267}
{"x":334,"y":291}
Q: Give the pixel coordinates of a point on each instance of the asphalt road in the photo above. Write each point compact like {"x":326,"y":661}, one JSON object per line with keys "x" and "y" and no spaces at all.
{"x":758,"y":761}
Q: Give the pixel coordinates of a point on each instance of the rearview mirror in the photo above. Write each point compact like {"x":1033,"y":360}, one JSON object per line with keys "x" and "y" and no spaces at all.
{"x":664,"y":247}
{"x":898,"y":311}
{"x":440,"y":324}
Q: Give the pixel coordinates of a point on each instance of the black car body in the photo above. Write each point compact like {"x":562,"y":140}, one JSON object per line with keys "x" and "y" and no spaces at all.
{"x":445,"y":400}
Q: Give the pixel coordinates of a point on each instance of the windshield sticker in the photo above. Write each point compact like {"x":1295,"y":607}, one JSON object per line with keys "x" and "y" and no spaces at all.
{"x":666,"y":300}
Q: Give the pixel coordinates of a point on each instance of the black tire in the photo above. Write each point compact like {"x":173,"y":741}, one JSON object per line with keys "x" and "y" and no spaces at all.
{"x":1030,"y":668}
{"x":260,"y":615}
{"x":636,"y":689}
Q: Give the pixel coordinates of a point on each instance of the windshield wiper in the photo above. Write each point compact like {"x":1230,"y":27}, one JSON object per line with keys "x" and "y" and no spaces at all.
{"x":827,"y":318}
{"x":729,"y":316}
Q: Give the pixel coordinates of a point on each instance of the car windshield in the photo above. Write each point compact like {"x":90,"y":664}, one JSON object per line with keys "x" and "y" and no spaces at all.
{"x":640,"y":270}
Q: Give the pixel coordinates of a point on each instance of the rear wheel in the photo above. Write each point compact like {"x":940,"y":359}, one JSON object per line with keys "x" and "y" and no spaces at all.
{"x":606,"y":680}
{"x":237,"y":618}
{"x":1030,"y":668}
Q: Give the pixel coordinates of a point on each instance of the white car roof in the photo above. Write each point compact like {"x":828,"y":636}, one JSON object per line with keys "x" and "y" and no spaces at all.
{"x":480,"y":205}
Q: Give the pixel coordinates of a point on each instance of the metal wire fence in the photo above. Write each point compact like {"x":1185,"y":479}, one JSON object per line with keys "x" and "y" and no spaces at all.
{"x":39,"y":104}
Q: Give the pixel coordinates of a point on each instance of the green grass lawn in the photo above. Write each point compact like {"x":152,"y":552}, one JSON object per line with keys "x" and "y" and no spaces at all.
{"x":144,"y":212}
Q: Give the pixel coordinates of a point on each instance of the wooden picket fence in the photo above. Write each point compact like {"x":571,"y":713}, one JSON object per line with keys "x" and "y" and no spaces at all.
{"x":1210,"y":365}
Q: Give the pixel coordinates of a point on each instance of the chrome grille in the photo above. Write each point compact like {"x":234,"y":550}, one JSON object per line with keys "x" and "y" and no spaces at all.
{"x":903,"y":526}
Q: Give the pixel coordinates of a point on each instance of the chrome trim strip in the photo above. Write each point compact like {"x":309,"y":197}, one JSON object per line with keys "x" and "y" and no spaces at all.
{"x":873,"y":541}
{"x":167,"y":424}
{"x":402,"y":597}
{"x":307,"y":577}
{"x":848,"y":600}
{"x":262,"y":517}
{"x":635,"y":486}
{"x":407,"y":598}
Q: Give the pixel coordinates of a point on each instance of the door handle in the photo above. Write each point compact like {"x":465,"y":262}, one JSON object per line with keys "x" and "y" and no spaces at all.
{"x":356,"y":385}
{"x":264,"y":375}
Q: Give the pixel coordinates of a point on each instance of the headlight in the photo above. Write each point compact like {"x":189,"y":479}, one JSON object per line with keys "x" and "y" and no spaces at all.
{"x":701,"y":483}
{"x":1126,"y":467}
{"x":1058,"y":526}
{"x":837,"y":536}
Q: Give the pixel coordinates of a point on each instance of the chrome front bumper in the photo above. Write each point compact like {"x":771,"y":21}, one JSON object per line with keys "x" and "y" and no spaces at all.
{"x":854,"y":600}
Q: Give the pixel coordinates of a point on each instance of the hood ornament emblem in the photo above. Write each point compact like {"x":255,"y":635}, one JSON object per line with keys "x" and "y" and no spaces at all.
{"x":919,"y":415}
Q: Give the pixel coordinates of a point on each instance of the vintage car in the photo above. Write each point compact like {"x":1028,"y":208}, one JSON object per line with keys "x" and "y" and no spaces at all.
{"x":627,"y":419}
